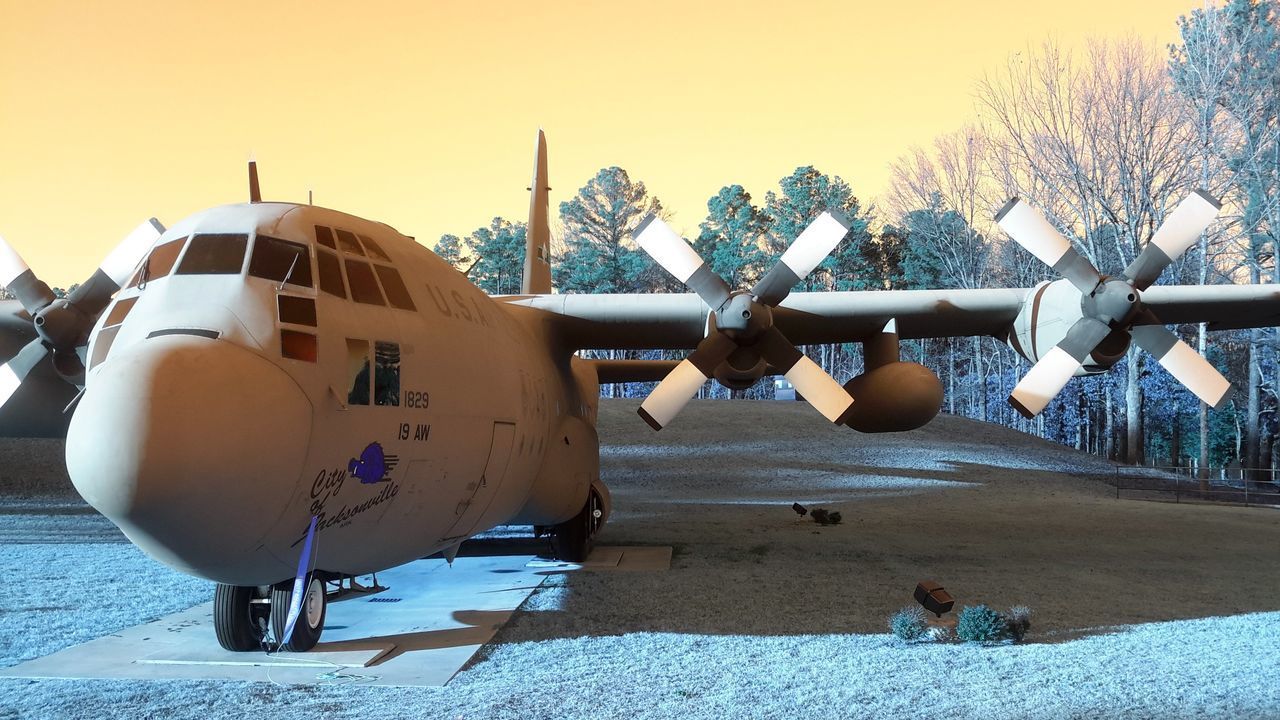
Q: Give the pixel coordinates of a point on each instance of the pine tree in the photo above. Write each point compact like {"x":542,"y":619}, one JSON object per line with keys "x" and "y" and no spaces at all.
{"x":599,"y":253}
{"x":500,"y":249}
{"x":731,"y":238}
{"x":804,"y":195}
{"x":451,"y":250}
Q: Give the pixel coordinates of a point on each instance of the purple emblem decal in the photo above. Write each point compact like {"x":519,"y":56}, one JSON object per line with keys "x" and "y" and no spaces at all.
{"x":373,"y":465}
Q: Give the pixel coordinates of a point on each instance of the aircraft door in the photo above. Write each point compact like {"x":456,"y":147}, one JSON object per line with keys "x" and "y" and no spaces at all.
{"x":478,"y":493}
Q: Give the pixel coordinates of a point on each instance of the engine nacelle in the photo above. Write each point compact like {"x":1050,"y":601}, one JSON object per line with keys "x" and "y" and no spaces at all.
{"x":895,"y":397}
{"x":1049,"y":311}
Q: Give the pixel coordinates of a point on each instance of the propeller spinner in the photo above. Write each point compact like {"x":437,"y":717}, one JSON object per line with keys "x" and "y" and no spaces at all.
{"x":743,"y":319}
{"x":63,"y":324}
{"x":1113,"y":304}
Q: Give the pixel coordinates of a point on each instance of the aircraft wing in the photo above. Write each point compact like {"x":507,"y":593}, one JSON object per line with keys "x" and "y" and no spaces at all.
{"x":674,"y":321}
{"x":1223,"y":307}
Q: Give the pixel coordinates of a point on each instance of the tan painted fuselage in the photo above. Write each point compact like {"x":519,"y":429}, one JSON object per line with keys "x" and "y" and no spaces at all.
{"x":214,"y":453}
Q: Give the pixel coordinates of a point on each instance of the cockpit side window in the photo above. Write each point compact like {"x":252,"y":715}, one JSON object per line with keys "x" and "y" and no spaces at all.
{"x":276,"y":260}
{"x":296,"y":345}
{"x":364,"y":287}
{"x":358,"y":372}
{"x":159,"y":262}
{"x":119,"y":312}
{"x":110,"y":328}
{"x":386,"y":373}
{"x":297,"y":310}
{"x":349,"y":243}
{"x":214,"y":254}
{"x":330,"y":272}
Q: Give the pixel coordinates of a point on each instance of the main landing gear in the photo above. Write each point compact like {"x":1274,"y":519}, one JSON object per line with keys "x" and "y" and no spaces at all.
{"x":241,"y":615}
{"x":573,"y":539}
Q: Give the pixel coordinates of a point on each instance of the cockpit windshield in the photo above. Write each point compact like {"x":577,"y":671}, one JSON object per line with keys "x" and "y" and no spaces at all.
{"x":214,"y":254}
{"x":281,"y":261}
{"x":159,"y":262}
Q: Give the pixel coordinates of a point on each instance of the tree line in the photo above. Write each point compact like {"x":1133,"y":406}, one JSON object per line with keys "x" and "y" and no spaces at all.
{"x":1105,"y":142}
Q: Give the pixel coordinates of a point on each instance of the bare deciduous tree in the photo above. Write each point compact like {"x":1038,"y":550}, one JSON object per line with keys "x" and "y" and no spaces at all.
{"x":1101,"y":145}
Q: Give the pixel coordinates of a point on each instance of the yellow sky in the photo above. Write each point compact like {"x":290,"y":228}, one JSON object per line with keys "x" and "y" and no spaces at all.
{"x":422,"y":114}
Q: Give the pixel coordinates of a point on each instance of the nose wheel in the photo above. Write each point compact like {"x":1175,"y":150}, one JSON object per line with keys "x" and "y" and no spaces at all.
{"x":240,"y":617}
{"x":310,"y":623}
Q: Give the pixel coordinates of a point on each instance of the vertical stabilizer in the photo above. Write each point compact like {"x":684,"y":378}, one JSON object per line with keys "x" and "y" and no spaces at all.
{"x":537,"y":250}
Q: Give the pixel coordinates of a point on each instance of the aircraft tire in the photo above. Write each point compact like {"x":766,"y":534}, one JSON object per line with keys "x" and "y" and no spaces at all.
{"x":572,"y":540}
{"x":310,"y":623}
{"x":233,"y":620}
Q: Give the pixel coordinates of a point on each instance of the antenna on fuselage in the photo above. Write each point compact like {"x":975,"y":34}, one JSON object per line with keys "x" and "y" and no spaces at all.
{"x":310,"y":200}
{"x":255,"y":194}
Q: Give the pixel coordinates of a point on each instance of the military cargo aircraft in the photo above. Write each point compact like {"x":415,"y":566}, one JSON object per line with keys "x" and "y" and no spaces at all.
{"x":279,"y":397}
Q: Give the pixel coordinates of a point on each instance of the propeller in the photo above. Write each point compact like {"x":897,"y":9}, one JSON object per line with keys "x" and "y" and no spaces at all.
{"x":741,"y":320}
{"x":1113,"y":305}
{"x":63,"y":324}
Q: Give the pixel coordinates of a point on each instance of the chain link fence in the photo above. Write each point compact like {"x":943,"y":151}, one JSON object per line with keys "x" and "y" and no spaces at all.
{"x":1250,"y":487}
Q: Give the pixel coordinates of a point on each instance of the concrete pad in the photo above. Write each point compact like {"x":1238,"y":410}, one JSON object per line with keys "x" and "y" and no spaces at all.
{"x":418,"y":632}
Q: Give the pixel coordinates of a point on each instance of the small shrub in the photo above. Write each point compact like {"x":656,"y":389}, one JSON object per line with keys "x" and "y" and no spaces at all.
{"x":979,"y":623}
{"x":908,"y":624}
{"x":1019,"y":621}
{"x":823,"y":516}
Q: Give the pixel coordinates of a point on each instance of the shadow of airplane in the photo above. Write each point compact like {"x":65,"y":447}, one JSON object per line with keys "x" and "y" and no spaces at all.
{"x":479,"y":627}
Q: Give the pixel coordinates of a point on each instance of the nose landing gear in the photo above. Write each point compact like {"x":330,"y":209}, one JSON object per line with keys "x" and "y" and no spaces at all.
{"x":242,"y":614}
{"x":310,"y":623}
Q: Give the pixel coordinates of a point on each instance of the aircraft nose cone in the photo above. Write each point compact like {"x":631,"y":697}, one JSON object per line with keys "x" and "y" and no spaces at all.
{"x":192,"y":446}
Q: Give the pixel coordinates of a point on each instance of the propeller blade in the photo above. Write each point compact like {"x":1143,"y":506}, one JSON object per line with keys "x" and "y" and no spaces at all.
{"x":17,"y":278}
{"x":93,"y":295}
{"x":1046,"y":378}
{"x":1184,"y":363}
{"x":675,"y":256}
{"x":820,"y":389}
{"x":1029,"y":229}
{"x":69,"y":366}
{"x":802,"y":256}
{"x":19,"y":366}
{"x":1179,"y":231}
{"x":124,"y":259}
{"x":681,"y":384}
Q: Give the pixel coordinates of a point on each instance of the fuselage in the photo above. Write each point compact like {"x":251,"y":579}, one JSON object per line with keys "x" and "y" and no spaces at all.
{"x":272,"y":362}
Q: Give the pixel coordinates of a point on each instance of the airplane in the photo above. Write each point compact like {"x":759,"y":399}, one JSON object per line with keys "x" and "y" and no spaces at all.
{"x":280,"y":397}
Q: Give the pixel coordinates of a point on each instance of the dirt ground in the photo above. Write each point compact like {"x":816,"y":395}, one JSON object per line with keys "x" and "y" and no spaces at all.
{"x":994,"y":515}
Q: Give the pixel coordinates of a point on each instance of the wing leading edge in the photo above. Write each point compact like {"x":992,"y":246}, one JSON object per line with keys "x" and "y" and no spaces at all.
{"x":679,"y":321}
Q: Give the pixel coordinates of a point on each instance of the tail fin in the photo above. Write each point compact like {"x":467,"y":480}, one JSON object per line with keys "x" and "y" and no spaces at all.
{"x":537,"y":250}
